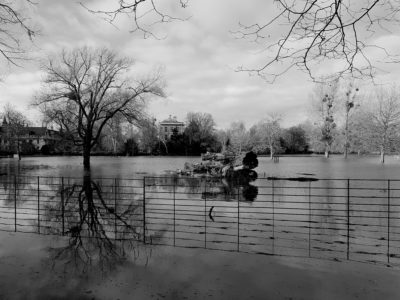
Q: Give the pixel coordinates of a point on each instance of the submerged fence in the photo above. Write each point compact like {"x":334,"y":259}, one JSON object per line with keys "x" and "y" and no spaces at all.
{"x":344,"y":219}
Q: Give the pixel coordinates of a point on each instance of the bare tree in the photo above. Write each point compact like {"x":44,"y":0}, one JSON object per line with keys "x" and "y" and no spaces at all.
{"x":150,"y":136}
{"x":14,"y":123}
{"x":85,"y":88}
{"x":200,"y":132}
{"x":113,"y":133}
{"x":271,"y":132}
{"x":325,"y":108}
{"x":380,"y":122}
{"x":336,"y":31}
{"x":145,"y":14}
{"x":239,"y":136}
{"x":223,"y":138}
{"x":15,"y":27}
{"x":349,"y":105}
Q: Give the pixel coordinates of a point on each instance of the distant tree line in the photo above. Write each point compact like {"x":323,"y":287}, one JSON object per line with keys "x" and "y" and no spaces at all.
{"x":344,"y":118}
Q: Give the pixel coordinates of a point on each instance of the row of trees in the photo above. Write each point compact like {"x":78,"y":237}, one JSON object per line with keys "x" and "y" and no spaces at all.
{"x":200,"y":136}
{"x":343,"y":119}
{"x":12,"y":131}
{"x":90,"y":99}
{"x":346,"y":120}
{"x":85,"y":91}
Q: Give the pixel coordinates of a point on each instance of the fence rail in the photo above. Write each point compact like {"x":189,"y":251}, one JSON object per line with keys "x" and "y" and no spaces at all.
{"x":349,"y":219}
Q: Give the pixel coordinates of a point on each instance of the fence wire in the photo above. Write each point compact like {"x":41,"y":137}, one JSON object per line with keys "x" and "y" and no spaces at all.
{"x":342,"y":219}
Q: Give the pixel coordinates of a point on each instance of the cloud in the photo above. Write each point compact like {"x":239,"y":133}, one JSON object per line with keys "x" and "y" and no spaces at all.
{"x":199,"y":55}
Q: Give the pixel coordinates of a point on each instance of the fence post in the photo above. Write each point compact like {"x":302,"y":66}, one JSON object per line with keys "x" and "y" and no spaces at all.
{"x":238,"y":220}
{"x":38,"y":202}
{"x":273,"y":216}
{"x":144,"y":210}
{"x":174,"y":188}
{"x":205,"y":213}
{"x":62,"y":206}
{"x":348,"y":219}
{"x":115,"y":208}
{"x":309,"y":219}
{"x":15,"y":203}
{"x":388,"y":221}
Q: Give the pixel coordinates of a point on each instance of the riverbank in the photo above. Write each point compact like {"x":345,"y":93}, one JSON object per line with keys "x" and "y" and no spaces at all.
{"x":28,"y":270}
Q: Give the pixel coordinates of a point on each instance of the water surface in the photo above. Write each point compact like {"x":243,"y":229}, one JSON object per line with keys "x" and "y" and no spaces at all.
{"x":365,"y":167}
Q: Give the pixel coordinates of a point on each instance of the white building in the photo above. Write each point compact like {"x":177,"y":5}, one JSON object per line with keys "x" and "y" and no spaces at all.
{"x":167,"y":127}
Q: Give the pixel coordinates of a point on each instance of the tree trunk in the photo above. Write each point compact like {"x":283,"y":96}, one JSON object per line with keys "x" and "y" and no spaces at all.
{"x":346,"y":134}
{"x":382,"y":157}
{"x":271,"y":150}
{"x":327,"y":150}
{"x":18,"y":150}
{"x":86,"y":160}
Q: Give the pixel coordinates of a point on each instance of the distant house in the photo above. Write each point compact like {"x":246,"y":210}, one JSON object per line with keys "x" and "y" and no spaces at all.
{"x":39,"y":136}
{"x":168,"y":126}
{"x":34,"y":137}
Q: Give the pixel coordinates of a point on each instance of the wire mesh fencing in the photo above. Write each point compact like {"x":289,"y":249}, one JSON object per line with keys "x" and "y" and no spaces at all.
{"x":342,"y":219}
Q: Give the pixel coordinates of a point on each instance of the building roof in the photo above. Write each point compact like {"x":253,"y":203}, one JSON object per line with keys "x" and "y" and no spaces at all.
{"x":39,"y":131}
{"x":29,"y":130}
{"x":172,"y":121}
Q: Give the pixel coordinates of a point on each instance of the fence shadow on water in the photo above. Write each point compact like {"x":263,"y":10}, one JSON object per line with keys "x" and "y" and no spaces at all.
{"x":338,"y":219}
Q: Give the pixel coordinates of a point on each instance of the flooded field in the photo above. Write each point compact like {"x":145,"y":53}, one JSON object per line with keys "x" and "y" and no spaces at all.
{"x":364,"y":167}
{"x":341,"y":219}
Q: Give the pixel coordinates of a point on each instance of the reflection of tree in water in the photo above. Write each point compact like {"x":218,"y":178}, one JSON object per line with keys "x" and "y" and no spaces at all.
{"x":103,"y":233}
{"x":15,"y":180}
{"x":218,"y":188}
{"x":236,"y":187}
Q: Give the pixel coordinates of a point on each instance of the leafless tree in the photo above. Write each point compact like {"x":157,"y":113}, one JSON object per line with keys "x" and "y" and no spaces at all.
{"x":380,"y":122}
{"x":15,"y":28}
{"x":85,"y":88}
{"x":336,"y":31}
{"x":201,"y":124}
{"x":150,"y":135}
{"x":14,"y":128}
{"x":324,"y":108}
{"x":146,"y":14}
{"x":239,"y":137}
{"x":271,"y":132}
{"x":349,"y":105}
{"x":112,"y":135}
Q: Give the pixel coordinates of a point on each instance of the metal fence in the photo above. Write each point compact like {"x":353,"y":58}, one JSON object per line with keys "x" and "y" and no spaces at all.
{"x":343,"y":219}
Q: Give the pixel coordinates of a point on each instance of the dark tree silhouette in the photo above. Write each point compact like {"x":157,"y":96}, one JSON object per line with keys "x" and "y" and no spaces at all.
{"x":309,"y":32}
{"x":146,"y":14}
{"x":86,"y":88}
{"x":336,"y":31}
{"x":15,"y":27}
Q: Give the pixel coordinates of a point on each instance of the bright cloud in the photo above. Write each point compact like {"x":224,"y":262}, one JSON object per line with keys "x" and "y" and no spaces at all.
{"x":199,"y":57}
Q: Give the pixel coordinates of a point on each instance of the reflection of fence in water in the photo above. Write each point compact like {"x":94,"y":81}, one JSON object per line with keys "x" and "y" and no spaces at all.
{"x":343,"y":219}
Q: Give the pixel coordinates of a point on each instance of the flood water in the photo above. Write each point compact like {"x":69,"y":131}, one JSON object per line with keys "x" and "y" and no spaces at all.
{"x":364,"y":167}
{"x":302,"y":206}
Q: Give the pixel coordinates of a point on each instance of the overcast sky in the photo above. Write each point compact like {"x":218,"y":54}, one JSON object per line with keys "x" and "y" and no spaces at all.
{"x":199,"y":57}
